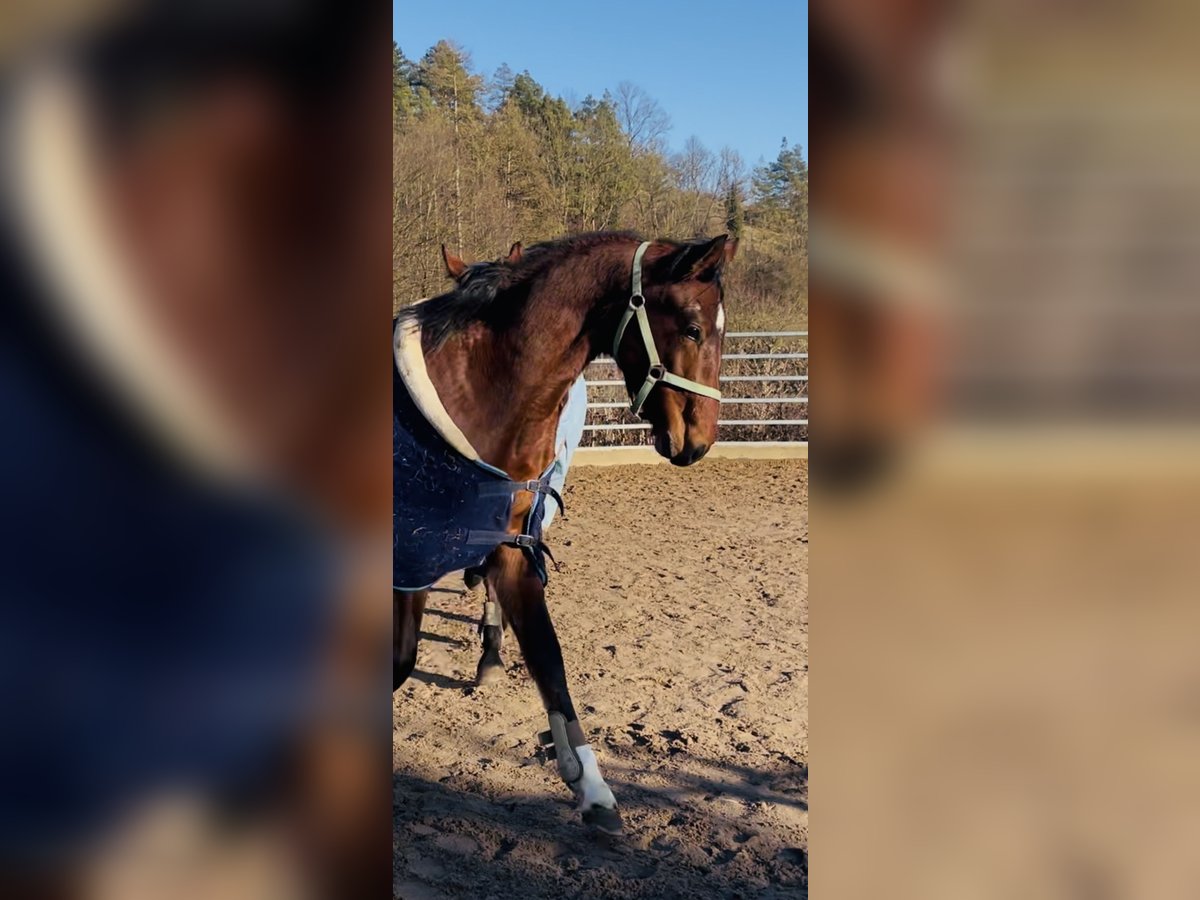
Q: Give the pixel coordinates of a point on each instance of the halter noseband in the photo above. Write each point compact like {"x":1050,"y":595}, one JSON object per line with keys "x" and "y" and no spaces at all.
{"x":657,"y":372}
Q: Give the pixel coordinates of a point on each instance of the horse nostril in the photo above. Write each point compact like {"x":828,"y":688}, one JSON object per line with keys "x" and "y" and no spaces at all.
{"x":694,"y":454}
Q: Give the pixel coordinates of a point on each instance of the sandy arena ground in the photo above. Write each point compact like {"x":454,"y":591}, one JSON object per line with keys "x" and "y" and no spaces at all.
{"x":682,"y":609}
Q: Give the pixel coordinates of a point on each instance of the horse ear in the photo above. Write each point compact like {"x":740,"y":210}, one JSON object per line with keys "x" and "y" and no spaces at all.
{"x":454,"y":264}
{"x":699,"y":261}
{"x":514,"y":253}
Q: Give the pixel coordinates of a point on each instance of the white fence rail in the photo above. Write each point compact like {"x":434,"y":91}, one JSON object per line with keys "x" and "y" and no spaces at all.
{"x":796,"y":377}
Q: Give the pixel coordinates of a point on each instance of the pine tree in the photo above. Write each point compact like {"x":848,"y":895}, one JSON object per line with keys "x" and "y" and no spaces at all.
{"x":781,"y":183}
{"x":499,"y":88}
{"x":781,"y":195}
{"x":444,"y":77}
{"x":527,"y":95}
{"x":404,"y":100}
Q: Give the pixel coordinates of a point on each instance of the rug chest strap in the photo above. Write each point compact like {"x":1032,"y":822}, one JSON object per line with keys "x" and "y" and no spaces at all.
{"x":534,"y":486}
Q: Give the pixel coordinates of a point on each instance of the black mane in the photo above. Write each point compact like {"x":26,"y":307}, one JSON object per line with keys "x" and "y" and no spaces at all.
{"x":496,"y":292}
{"x":473,"y":298}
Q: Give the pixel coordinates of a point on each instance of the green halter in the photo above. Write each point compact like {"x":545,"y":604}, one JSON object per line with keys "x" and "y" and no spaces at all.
{"x":658,"y":372}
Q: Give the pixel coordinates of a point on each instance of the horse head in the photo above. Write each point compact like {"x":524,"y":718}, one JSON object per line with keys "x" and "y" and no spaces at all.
{"x":683,"y":300}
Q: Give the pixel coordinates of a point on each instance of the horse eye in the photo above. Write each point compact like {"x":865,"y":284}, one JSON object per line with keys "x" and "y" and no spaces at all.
{"x":692,"y":333}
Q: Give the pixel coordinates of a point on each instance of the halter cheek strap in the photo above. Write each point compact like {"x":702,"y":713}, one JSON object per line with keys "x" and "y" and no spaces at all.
{"x":657,"y":372}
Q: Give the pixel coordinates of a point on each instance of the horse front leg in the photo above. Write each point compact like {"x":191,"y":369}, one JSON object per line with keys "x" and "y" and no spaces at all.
{"x":514,"y":583}
{"x":491,"y":626}
{"x":408,"y":608}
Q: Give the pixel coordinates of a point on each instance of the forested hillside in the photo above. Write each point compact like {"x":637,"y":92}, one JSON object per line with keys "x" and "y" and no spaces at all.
{"x":479,"y":162}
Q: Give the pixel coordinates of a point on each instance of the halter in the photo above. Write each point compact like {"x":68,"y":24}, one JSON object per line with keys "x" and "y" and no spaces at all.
{"x":658,"y":372}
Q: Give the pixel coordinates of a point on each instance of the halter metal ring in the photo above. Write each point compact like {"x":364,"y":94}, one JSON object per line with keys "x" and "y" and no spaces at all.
{"x":657,"y":373}
{"x":637,"y":301}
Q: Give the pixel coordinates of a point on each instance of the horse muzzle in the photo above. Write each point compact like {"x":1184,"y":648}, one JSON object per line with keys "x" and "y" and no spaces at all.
{"x":691,"y":453}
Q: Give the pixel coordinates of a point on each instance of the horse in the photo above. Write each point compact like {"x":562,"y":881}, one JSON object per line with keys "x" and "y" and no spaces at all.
{"x":488,"y":365}
{"x":202,"y":412}
{"x":570,"y":429}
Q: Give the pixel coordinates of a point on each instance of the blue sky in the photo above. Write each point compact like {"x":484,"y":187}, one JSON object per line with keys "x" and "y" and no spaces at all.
{"x":732,"y":72}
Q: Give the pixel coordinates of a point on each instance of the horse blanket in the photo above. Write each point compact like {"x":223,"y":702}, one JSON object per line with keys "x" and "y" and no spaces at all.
{"x":177,"y":622}
{"x":450,"y":509}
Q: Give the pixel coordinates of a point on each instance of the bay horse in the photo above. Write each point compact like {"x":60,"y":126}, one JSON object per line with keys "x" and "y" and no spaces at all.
{"x":491,"y":621}
{"x":500,"y":351}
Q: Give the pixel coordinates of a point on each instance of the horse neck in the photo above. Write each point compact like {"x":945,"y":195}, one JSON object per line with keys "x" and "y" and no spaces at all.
{"x":505,"y":389}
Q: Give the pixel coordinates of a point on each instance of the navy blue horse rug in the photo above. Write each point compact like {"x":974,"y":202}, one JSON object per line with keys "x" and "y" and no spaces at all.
{"x":450,"y":509}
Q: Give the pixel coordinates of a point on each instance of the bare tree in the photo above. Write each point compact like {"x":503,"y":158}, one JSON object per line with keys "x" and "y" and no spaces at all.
{"x":731,"y":170}
{"x":644,"y":122}
{"x":696,"y":167}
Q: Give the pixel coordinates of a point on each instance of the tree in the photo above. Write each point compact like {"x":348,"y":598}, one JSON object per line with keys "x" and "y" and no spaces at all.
{"x":730,"y":170}
{"x":696,"y":167}
{"x":783,"y":183}
{"x":444,"y":76}
{"x":780,"y":193}
{"x":735,"y":211}
{"x":604,"y":179}
{"x":527,"y":95}
{"x":499,"y":88}
{"x":519,"y":170}
{"x":404,"y":100}
{"x":644,"y":122}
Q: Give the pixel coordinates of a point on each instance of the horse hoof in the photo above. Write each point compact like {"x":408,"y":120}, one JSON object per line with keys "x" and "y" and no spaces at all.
{"x":604,"y":819}
{"x":489,"y":671}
